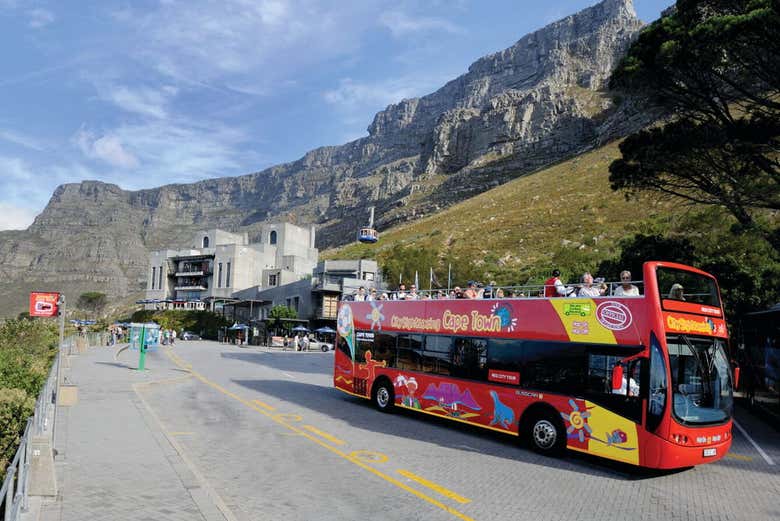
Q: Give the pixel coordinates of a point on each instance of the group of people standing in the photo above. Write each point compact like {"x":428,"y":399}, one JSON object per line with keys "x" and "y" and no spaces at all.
{"x":167,"y":337}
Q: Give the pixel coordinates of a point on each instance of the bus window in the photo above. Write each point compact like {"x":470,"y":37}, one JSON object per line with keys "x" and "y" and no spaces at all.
{"x":504,"y":355}
{"x":554,"y":366}
{"x":625,"y":401}
{"x":469,"y":358}
{"x":657,"y":386}
{"x":365,"y":342}
{"x":384,"y":348}
{"x":409,"y":352}
{"x":436,"y":357}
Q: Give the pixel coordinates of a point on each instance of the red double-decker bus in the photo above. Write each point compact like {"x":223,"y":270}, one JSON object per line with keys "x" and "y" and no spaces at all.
{"x":639,"y":379}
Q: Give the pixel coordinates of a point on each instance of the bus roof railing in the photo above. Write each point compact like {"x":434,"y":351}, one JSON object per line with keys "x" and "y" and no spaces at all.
{"x":606,"y":289}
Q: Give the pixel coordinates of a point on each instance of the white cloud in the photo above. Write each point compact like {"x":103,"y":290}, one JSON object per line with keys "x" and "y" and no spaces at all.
{"x":107,"y":148}
{"x":208,"y":41}
{"x":14,"y":217}
{"x":143,"y":101}
{"x":401,"y":24}
{"x":352,"y":94}
{"x":20,"y":139}
{"x":40,"y":18}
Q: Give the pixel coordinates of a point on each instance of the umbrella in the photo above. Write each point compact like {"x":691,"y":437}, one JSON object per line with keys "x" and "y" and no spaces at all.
{"x":325,"y":329}
{"x":300,"y":328}
{"x":235,"y":327}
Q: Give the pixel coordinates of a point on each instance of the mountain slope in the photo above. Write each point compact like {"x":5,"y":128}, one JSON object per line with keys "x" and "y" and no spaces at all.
{"x":533,"y":104}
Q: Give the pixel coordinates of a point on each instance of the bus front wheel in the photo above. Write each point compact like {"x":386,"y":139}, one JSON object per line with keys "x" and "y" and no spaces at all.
{"x":546,"y":434}
{"x":384,"y":395}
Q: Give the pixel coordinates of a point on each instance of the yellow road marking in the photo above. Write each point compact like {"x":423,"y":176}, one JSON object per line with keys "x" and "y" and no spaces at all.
{"x":286,"y":416}
{"x":433,"y":486}
{"x":325,"y":435}
{"x":351,"y":459}
{"x":369,"y":456}
{"x":739,"y":457}
{"x":265,"y":405}
{"x":164,"y":381}
{"x":181,"y":433}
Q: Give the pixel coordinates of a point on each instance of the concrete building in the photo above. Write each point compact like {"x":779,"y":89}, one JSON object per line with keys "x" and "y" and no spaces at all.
{"x":314,"y":298}
{"x":218,"y":264}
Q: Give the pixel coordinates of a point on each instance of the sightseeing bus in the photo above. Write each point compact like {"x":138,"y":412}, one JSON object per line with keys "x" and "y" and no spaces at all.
{"x":642,"y":379}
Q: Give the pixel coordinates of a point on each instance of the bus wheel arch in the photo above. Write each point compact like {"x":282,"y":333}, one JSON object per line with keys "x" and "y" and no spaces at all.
{"x":383,"y":394}
{"x":542,"y":428}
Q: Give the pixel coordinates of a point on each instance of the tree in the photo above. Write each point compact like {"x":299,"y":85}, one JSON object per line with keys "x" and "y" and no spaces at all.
{"x":712,"y":66}
{"x":93,"y":301}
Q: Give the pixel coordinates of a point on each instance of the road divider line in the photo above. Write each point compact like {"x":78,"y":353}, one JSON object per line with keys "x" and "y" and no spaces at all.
{"x":435,"y":487}
{"x":759,"y":449}
{"x":739,"y":457}
{"x":325,"y":435}
{"x":390,"y":479}
{"x":265,"y":405}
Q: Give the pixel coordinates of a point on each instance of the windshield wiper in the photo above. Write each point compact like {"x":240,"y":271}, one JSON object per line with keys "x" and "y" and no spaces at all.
{"x":705,"y":373}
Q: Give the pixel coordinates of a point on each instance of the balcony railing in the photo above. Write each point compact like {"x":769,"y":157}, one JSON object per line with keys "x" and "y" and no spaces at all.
{"x":190,"y":273}
{"x":199,"y":287}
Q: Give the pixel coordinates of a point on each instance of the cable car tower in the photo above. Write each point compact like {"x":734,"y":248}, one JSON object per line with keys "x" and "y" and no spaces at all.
{"x":368,"y":234}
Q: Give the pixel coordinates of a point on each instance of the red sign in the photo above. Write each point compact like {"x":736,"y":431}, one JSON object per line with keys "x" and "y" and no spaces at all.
{"x":43,"y":304}
{"x":691,"y":307}
{"x":504,"y":377}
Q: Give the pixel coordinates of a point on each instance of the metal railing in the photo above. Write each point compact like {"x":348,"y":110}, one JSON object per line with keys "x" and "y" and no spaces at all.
{"x":13,"y":494}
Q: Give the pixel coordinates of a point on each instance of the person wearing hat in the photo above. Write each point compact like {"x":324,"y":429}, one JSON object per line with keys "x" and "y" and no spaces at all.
{"x":553,"y":287}
{"x":471,"y":291}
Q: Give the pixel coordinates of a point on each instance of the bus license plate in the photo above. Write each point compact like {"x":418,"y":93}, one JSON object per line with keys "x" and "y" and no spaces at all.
{"x":710,"y":452}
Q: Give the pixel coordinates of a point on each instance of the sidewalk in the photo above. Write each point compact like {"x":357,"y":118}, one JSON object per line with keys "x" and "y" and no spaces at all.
{"x":114,"y":459}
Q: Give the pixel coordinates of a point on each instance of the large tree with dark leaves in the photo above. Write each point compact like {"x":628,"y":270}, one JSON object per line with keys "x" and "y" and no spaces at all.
{"x":714,"y":67}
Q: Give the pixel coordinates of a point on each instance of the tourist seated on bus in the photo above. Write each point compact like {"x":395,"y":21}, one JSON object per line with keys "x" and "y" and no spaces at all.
{"x":401,"y":293}
{"x":588,"y":289}
{"x":553,"y":287}
{"x":626,"y":289}
{"x":413,"y":295}
{"x":676,"y":292}
{"x":471,"y":290}
{"x":499,"y":293}
{"x":371,"y":295}
{"x":601,"y":285}
{"x":360,"y":296}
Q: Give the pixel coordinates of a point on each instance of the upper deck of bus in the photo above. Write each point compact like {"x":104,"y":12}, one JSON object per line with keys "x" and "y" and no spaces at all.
{"x":605,"y":319}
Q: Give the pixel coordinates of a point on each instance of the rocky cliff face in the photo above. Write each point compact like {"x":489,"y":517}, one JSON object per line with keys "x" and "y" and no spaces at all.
{"x":535,"y":103}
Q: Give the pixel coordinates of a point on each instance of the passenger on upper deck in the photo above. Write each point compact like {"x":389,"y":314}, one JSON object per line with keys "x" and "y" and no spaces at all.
{"x":553,"y":287}
{"x":499,"y":293}
{"x":371,"y":295}
{"x":588,"y":289}
{"x":676,"y":292}
{"x":626,"y":289}
{"x":471,"y":291}
{"x":413,"y":295}
{"x":401,"y":293}
{"x":360,"y":296}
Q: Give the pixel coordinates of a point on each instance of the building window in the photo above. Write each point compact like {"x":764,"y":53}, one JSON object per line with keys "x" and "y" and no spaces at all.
{"x":272,"y":280}
{"x":154,"y":275}
{"x":219,"y":276}
{"x":296,"y":303}
{"x":205,"y":242}
{"x":330,"y":305}
{"x":368,"y":275}
{"x":159,"y":280}
{"x":227,"y":276}
{"x":272,"y":237}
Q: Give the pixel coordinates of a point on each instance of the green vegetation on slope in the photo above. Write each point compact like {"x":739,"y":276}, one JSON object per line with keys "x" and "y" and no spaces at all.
{"x":27,"y":348}
{"x":566,"y":216}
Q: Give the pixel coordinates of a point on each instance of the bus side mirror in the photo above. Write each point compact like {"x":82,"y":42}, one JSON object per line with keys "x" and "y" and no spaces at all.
{"x":617,"y":377}
{"x":736,"y":378}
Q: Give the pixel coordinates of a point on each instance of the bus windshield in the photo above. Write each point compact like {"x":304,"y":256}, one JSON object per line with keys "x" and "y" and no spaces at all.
{"x":701,"y":381}
{"x":681,"y":285}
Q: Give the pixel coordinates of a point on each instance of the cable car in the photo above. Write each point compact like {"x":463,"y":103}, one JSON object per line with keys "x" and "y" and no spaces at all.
{"x":368,"y":234}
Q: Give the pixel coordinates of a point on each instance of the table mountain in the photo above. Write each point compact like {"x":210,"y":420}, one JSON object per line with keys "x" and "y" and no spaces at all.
{"x":535,"y":103}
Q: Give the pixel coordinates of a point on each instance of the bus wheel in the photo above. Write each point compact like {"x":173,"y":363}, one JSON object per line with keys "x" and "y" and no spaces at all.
{"x":384,"y":396}
{"x":546,"y":434}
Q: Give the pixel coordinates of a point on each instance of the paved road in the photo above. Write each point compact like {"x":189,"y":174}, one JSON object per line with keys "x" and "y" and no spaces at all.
{"x":273,"y":439}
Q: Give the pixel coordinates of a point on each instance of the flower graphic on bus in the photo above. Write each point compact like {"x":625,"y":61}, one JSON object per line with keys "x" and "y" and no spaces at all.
{"x":577,"y":424}
{"x":346,"y":328}
{"x":376,"y":317}
{"x":504,"y":312}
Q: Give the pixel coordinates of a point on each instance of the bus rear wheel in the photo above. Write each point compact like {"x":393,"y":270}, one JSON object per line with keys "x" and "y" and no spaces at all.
{"x":546,"y":434}
{"x":383,"y":395}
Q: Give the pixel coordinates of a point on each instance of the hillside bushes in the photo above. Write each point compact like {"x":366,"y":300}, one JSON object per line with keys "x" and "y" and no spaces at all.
{"x":27,"y":349}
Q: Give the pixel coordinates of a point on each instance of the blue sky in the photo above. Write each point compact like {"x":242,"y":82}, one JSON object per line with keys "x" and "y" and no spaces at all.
{"x":144,"y":93}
